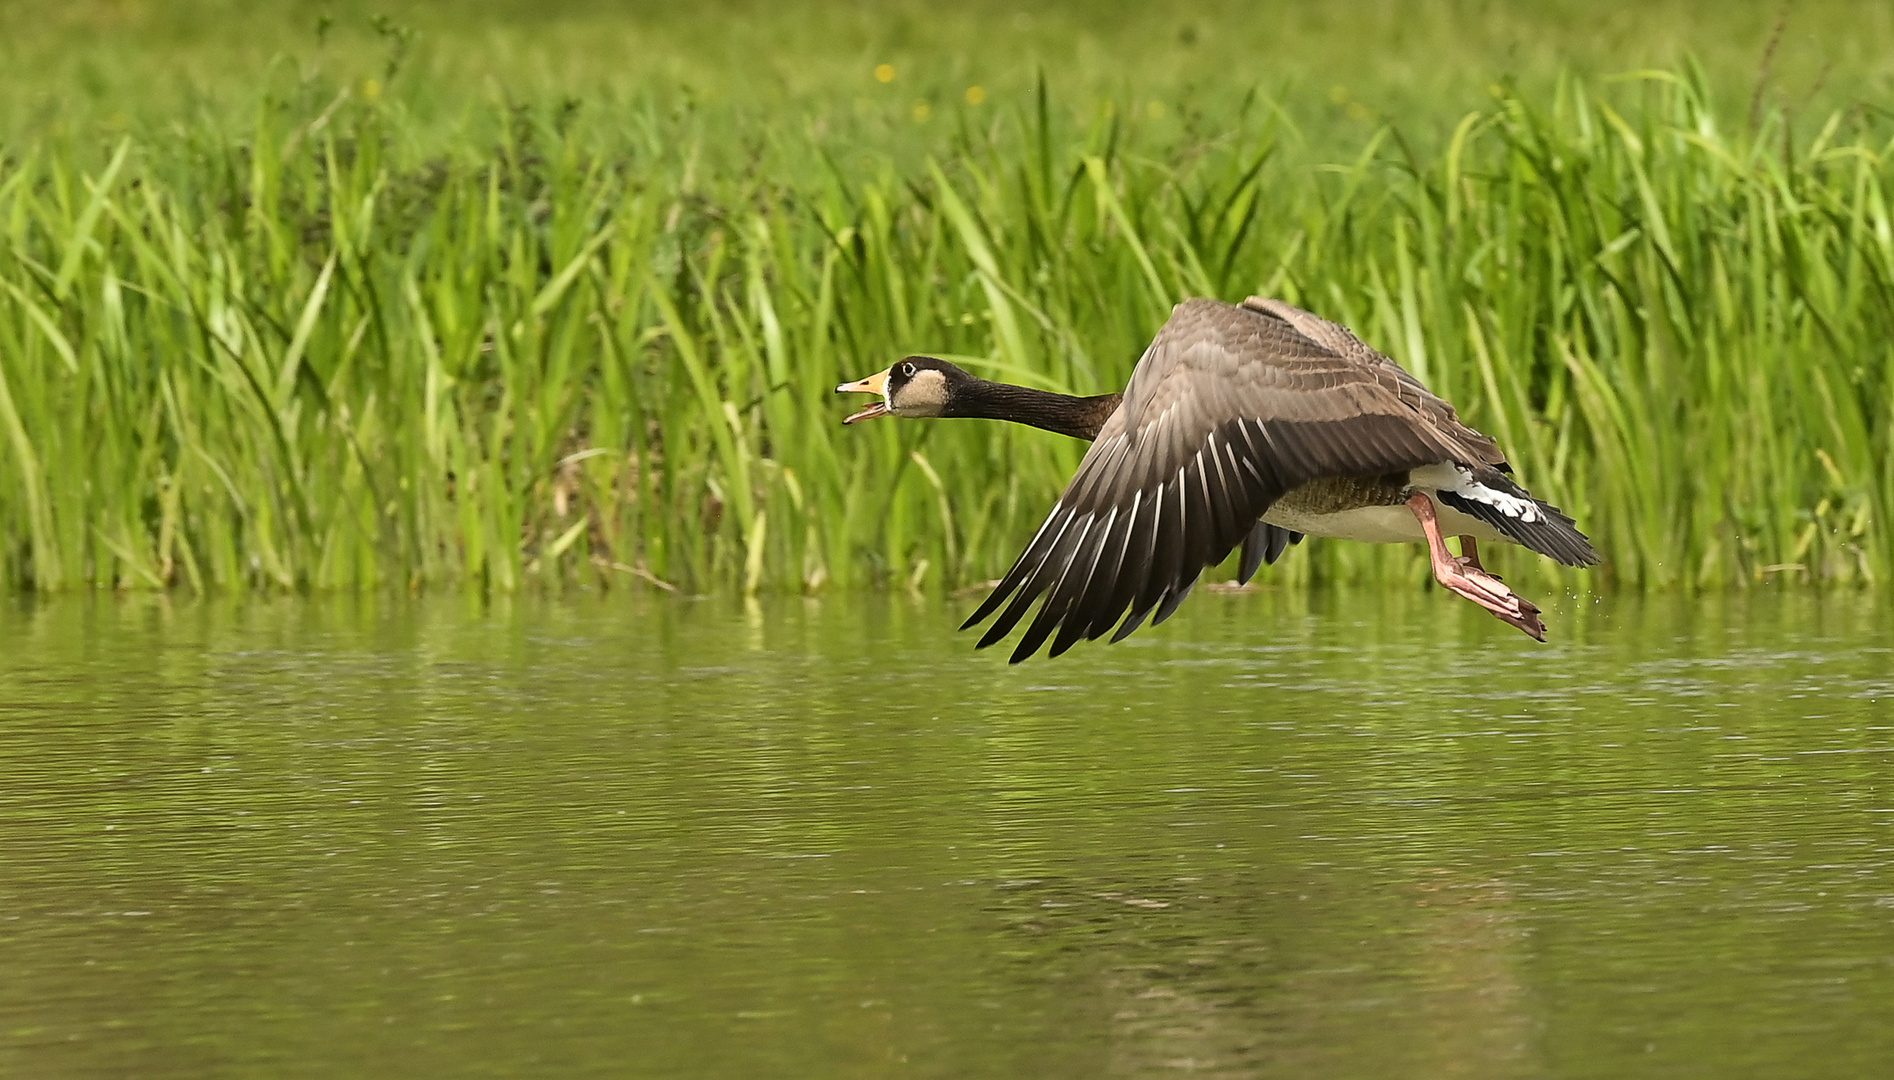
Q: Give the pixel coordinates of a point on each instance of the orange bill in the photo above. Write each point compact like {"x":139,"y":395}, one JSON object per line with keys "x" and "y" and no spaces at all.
{"x":873,"y":384}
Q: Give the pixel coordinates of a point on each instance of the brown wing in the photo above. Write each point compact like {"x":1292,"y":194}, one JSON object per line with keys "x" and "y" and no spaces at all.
{"x":1228,"y":409}
{"x":1342,"y":341}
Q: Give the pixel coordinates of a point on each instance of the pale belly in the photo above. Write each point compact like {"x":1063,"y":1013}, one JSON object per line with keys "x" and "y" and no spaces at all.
{"x":1380,"y":524}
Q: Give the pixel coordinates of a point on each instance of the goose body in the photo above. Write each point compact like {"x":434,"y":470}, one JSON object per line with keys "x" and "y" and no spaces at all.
{"x":1252,"y":424}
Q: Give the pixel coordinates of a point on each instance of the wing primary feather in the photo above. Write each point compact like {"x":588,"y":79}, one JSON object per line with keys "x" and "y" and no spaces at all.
{"x":1265,"y":544}
{"x":1101,"y":577}
{"x":1140,"y":546}
{"x":1291,"y":456}
{"x":1078,"y":493}
{"x":1090,"y":574}
{"x":1250,"y":488}
{"x":1101,"y":581}
{"x":1177,"y":597}
{"x":1172,"y":535}
{"x":1130,"y":625}
{"x":1231,"y":501}
{"x":1261,"y":460}
{"x":1223,"y":494}
{"x":1254,"y":545}
{"x":1243,"y":429}
{"x":1279,"y":541}
{"x":1081,"y":580}
{"x":1042,"y":577}
{"x":1058,"y":598}
{"x":1200,"y":536}
{"x":1253,"y":501}
{"x":1166,"y":563}
{"x":1164,"y":538}
{"x":1028,"y":589}
{"x":1024,"y":565}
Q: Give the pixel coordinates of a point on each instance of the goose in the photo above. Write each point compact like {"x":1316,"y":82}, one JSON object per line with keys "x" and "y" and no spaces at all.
{"x":1256,"y":423}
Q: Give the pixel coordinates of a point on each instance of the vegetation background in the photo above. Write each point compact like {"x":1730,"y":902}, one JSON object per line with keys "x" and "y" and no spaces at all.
{"x":506,"y":294}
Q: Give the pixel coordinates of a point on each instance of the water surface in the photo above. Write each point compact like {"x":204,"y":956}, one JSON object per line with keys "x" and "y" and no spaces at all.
{"x":1355,"y":834}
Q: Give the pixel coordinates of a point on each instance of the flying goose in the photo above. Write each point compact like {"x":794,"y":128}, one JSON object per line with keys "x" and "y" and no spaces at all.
{"x":1255,"y":424}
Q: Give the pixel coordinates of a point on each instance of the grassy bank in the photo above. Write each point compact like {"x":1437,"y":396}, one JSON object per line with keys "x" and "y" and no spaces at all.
{"x":1338,"y":68}
{"x":320,"y":353}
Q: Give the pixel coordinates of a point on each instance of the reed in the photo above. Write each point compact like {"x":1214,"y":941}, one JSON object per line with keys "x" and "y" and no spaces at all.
{"x":310,"y":358}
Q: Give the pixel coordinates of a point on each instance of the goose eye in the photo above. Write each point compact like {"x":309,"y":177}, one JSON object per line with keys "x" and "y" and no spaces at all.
{"x":907,"y":370}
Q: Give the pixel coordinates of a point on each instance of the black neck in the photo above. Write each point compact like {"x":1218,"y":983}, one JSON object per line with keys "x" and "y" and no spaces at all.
{"x":1079,"y":417}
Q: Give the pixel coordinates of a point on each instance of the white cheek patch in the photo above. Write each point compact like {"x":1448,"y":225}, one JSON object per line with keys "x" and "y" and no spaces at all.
{"x":924,"y":395}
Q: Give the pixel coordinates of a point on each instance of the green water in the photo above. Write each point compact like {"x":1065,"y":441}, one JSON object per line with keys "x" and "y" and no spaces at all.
{"x":1347,"y":835}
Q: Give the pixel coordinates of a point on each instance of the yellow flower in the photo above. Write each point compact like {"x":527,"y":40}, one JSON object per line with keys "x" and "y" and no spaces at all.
{"x":1155,"y":110}
{"x":976,"y":94}
{"x":922,"y":110}
{"x":371,"y":89}
{"x":884,"y":73}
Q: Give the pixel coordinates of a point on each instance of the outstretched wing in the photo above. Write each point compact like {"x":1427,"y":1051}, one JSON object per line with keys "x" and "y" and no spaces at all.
{"x":1229,"y":409}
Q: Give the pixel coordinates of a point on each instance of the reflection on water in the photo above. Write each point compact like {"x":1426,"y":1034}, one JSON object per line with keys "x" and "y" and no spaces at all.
{"x":1348,"y":834}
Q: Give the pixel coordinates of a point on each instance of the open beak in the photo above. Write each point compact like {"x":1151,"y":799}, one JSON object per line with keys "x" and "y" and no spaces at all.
{"x":873,"y":384}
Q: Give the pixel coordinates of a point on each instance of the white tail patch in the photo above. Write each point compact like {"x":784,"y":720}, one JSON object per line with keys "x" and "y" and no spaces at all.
{"x":1450,"y":477}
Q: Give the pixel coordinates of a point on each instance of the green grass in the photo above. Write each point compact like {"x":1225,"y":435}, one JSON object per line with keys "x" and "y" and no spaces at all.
{"x":1338,"y":68}
{"x":356,"y":342}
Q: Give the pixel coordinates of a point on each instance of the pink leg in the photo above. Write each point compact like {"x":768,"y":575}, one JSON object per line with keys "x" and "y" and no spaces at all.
{"x":1470,"y":554}
{"x":1465,"y":577}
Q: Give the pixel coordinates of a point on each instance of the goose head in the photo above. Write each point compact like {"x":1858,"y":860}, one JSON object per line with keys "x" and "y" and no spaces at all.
{"x":918,"y":386}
